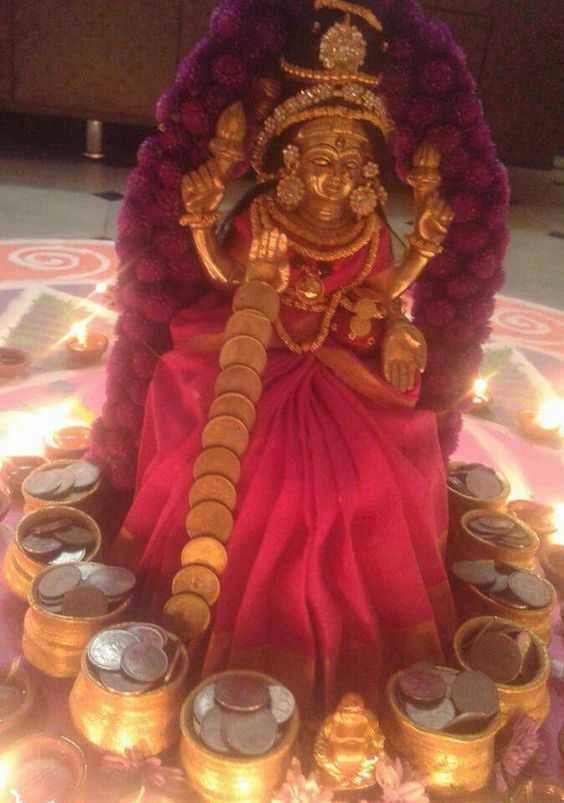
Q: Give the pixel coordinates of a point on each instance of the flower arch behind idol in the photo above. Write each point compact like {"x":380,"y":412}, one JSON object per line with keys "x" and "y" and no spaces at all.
{"x":430,"y":95}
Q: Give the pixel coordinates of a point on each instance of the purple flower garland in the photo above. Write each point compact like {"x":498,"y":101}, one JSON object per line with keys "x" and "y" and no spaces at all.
{"x":430,"y":94}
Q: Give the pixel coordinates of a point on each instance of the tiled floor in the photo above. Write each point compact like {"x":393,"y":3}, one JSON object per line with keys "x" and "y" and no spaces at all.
{"x":61,"y":195}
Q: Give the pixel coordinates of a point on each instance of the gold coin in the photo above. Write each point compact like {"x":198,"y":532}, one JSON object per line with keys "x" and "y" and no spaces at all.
{"x":228,"y":431}
{"x":198,"y":580}
{"x":239,"y":379}
{"x":249,"y":322}
{"x":210,"y":518}
{"x":234,"y":404}
{"x":218,"y":460}
{"x":215,"y":487}
{"x":367,"y":308}
{"x":187,"y":615}
{"x":360,"y":327}
{"x":205,"y":551}
{"x":258,"y":296}
{"x":243,"y":350}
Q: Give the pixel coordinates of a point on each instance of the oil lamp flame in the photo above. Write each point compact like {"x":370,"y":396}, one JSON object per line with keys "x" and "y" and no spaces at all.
{"x":78,"y":331}
{"x":550,"y":416}
{"x":25,"y":431}
{"x":480,"y":387}
{"x":102,"y":287}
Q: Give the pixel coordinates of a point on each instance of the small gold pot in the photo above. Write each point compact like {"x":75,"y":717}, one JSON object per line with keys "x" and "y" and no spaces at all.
{"x":459,"y":503}
{"x":452,"y":764}
{"x":81,"y":500}
{"x":531,"y":698}
{"x":114,"y":722}
{"x":469,"y":547}
{"x":54,"y":643}
{"x":472,"y":602}
{"x":40,"y":745}
{"x":229,"y":779}
{"x":19,"y":569}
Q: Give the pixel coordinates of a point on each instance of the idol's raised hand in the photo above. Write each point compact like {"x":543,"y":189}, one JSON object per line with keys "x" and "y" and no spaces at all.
{"x":202,"y":190}
{"x":433,"y":220}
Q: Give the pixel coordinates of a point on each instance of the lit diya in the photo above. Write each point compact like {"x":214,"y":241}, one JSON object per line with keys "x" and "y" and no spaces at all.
{"x":13,"y":362}
{"x":85,"y":347}
{"x":535,"y":515}
{"x":480,"y":398}
{"x":15,"y":469}
{"x":68,"y":442}
{"x":42,"y":768}
{"x":544,"y":425}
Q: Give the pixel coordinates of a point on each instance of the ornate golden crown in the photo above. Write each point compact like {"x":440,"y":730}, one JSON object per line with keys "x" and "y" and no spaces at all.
{"x":340,"y":89}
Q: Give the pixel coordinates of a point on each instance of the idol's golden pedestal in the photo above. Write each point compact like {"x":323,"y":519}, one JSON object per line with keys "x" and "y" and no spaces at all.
{"x":530,"y":698}
{"x":453,"y":765}
{"x":53,"y":643}
{"x":471,"y":602}
{"x":218,"y":778}
{"x":468,"y":546}
{"x":115,"y":722}
{"x":81,"y":500}
{"x":19,"y":569}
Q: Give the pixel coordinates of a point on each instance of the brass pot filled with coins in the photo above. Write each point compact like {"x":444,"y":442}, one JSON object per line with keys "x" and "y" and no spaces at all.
{"x":444,"y":723}
{"x":239,"y":730}
{"x":473,"y":485}
{"x":487,"y":588}
{"x":73,"y":483}
{"x":68,"y":605}
{"x":130,"y":688}
{"x":51,"y":536}
{"x":485,"y":534}
{"x":513,"y":657}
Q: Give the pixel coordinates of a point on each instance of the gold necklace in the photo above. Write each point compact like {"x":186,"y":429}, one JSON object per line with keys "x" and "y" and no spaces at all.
{"x":312,"y":344}
{"x":260,"y":218}
{"x":301,"y":231}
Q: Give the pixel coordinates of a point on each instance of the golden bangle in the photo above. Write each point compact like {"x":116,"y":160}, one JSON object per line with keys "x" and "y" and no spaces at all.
{"x":203,"y":221}
{"x":426,"y":248}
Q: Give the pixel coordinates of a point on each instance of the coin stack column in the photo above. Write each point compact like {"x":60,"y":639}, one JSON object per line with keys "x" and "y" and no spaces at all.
{"x":225,"y":438}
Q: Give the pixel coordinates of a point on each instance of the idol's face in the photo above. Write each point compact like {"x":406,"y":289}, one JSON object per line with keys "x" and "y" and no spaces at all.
{"x":331,"y":170}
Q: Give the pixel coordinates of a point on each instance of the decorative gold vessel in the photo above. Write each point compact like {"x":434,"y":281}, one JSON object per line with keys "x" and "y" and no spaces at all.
{"x":15,"y":674}
{"x":531,"y":698}
{"x":453,"y":765}
{"x":81,"y":500}
{"x":42,"y":746}
{"x":471,"y":602}
{"x":467,"y":546}
{"x":460,"y":503}
{"x":228,"y":779}
{"x":114,"y":722}
{"x":19,"y":569}
{"x":54,"y":643}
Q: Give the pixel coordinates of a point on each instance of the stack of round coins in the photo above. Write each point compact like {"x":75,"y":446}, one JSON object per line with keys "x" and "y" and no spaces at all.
{"x":501,"y":530}
{"x":241,"y":715}
{"x":57,"y":541}
{"x":504,"y":653}
{"x":84,"y":590}
{"x":11,"y":699}
{"x":442,"y":699}
{"x":517,"y":589}
{"x":54,"y":483}
{"x":133,"y":658}
{"x":476,"y":480}
{"x":225,"y":438}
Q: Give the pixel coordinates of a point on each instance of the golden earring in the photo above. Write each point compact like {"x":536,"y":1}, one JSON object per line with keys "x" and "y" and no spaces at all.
{"x":364,"y":199}
{"x":290,"y":189}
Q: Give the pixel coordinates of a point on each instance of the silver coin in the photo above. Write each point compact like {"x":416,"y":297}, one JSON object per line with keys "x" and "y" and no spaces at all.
{"x":68,"y":556}
{"x":84,"y":475}
{"x":250,"y":734}
{"x":86,"y":569}
{"x":282,"y":703}
{"x":65,"y":487}
{"x":436,"y":717}
{"x":117,"y":681}
{"x":114,"y":581}
{"x":204,"y":702}
{"x":211,"y":731}
{"x":149,"y":634}
{"x":144,"y":663}
{"x":106,"y":648}
{"x":45,"y":483}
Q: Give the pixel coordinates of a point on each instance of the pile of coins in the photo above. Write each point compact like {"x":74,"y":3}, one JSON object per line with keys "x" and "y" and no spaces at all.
{"x":57,"y":541}
{"x":52,"y":482}
{"x":225,"y":438}
{"x":506,"y":654}
{"x":442,"y":699}
{"x":85,"y":590}
{"x":134,"y":658}
{"x":11,"y":699}
{"x":474,"y":479}
{"x":501,"y":530}
{"x":241,"y":715}
{"x":516,"y":589}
